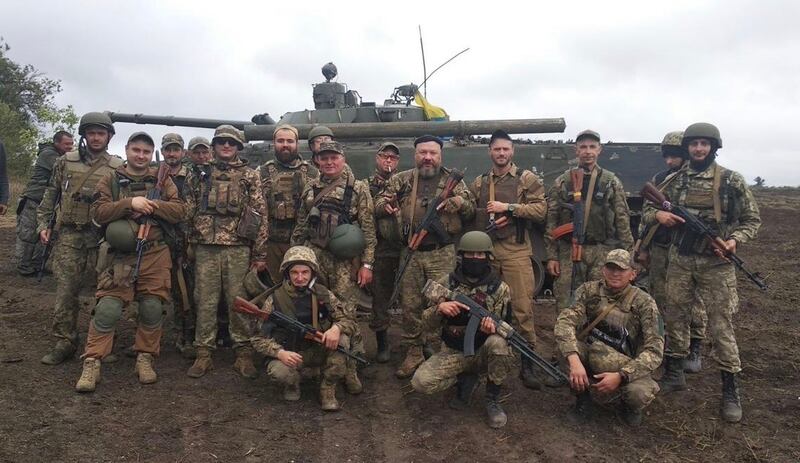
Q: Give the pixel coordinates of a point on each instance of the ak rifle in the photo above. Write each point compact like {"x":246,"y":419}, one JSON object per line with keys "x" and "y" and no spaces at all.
{"x":51,"y":229}
{"x":576,"y":228}
{"x":145,"y":222}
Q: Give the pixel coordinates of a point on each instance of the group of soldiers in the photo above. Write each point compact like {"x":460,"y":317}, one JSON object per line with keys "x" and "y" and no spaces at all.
{"x":307,"y":239}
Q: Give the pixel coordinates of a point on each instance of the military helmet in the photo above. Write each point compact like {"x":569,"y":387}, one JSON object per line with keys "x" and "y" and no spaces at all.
{"x":475,"y":241}
{"x":318,"y":131}
{"x":672,"y":145}
{"x":121,"y":235}
{"x":95,"y":118}
{"x":299,"y":255}
{"x":672,"y":139}
{"x":347,"y":241}
{"x":702,"y":130}
{"x":253,"y":284}
{"x":229,"y":131}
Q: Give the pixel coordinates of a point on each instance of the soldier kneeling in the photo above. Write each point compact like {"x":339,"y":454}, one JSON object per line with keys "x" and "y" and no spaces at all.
{"x":312,"y":304}
{"x":619,"y":340}
{"x":473,"y":277}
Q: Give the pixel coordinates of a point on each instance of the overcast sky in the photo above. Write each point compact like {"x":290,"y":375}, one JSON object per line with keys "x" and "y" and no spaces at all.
{"x":632,"y":70}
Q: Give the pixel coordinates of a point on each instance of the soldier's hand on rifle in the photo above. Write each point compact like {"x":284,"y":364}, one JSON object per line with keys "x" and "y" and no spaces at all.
{"x":668,"y":219}
{"x":496,"y":207}
{"x":44,"y":236}
{"x":258,"y":265}
{"x":143,"y":205}
{"x":290,"y":359}
{"x":578,"y":379}
{"x":501,"y":222}
{"x":488,"y":326}
{"x":609,"y":382}
{"x":364,"y":276}
{"x":554,"y":268}
{"x":330,"y":338}
{"x":451,"y":308}
{"x":453,"y":205}
{"x":390,"y":208}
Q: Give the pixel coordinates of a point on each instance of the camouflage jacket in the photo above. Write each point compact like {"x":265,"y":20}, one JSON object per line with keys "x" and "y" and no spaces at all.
{"x":342,"y":315}
{"x":641,"y":320}
{"x":740,"y":218}
{"x":361,"y":210}
{"x":283,"y":186}
{"x":207,"y":227}
{"x":387,"y":228}
{"x":609,"y":218}
{"x":42,"y":170}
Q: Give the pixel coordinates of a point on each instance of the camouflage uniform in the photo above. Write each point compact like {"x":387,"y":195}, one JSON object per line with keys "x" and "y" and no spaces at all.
{"x":638,"y":356}
{"x":75,"y":247}
{"x":512,"y":256}
{"x":283,"y":185}
{"x":697,"y":271}
{"x":184,"y":314}
{"x":387,"y":258}
{"x":29,"y":249}
{"x":608,"y":228}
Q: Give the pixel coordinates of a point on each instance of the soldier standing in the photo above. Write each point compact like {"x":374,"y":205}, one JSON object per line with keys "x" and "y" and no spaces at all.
{"x":412,"y":190}
{"x":283,"y":180}
{"x":74,"y":178}
{"x":199,"y":150}
{"x":720,"y":198}
{"x":508,"y":198}
{"x":302,"y":298}
{"x":613,"y":334}
{"x":121,"y":200}
{"x":606,"y":219}
{"x":337,"y":221}
{"x":29,"y":249}
{"x":473,"y":277}
{"x":229,"y":231}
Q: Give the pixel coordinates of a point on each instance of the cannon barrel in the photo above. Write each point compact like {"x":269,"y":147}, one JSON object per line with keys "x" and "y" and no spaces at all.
{"x":415,"y":129}
{"x":177,"y":121}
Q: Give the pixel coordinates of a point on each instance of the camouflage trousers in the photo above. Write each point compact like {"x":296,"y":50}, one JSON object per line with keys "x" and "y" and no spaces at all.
{"x":275,"y":252}
{"x":423,"y":266}
{"x":220,"y":271}
{"x":714,"y":282}
{"x":332,"y":364}
{"x":594,"y":257}
{"x":29,"y":249}
{"x":600,"y":358}
{"x":515,"y":268}
{"x":72,"y":268}
{"x":387,"y":259}
{"x":657,"y":279}
{"x":439,"y":373}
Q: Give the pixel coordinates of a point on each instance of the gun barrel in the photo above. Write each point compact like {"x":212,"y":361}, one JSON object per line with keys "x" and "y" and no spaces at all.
{"x":176,"y":121}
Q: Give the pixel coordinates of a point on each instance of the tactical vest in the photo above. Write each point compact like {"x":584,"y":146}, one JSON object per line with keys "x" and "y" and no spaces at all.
{"x":299,"y":309}
{"x":700,"y":200}
{"x":80,"y":181}
{"x":455,"y":327}
{"x":333,"y":211}
{"x":427,"y":191}
{"x":617,"y":329}
{"x":282,"y":192}
{"x":601,"y":215}
{"x":387,"y":228}
{"x":505,"y":191}
{"x":123,"y":186}
{"x":221,"y":191}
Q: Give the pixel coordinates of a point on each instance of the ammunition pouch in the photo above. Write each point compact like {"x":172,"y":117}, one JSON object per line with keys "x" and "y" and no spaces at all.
{"x":249,"y":224}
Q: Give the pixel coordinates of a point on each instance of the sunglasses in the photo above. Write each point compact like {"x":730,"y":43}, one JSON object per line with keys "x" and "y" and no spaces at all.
{"x":226,"y":141}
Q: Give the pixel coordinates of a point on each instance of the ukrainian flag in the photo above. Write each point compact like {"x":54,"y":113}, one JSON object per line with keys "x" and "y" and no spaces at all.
{"x":432,"y":113}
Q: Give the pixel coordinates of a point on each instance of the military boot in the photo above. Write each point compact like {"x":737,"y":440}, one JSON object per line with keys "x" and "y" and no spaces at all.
{"x":382,"y":341}
{"x":351,"y":382}
{"x":633,"y":417}
{"x":244,"y":363}
{"x":291,"y":392}
{"x":527,"y":374}
{"x":583,"y":409}
{"x":144,"y":368}
{"x":327,"y":396}
{"x":90,"y":375}
{"x":693,"y":363}
{"x":731,"y":405}
{"x":202,"y":364}
{"x":414,"y":359}
{"x":59,"y":353}
{"x":465,"y":386}
{"x":673,"y":379}
{"x":496,"y":416}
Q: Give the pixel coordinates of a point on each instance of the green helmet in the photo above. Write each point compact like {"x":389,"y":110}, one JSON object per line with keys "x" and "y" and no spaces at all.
{"x":299,"y":255}
{"x":253,"y":284}
{"x":317,"y":131}
{"x":702,"y":130}
{"x":672,"y":145}
{"x":475,"y":241}
{"x":347,"y":241}
{"x":121,"y":235}
{"x":95,"y":118}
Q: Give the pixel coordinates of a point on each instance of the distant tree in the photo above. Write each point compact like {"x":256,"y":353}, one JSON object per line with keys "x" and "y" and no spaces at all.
{"x":760,"y":182}
{"x":28,"y":112}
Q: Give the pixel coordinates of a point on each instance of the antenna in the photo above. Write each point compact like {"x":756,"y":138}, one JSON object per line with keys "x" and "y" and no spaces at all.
{"x":442,"y":65}
{"x":424,"y":69}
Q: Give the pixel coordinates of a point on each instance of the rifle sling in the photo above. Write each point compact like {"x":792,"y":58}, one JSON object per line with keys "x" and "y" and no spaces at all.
{"x":606,"y":310}
{"x":589,"y":196}
{"x":413,"y":198}
{"x":715,"y":187}
{"x":182,"y":288}
{"x":320,"y":196}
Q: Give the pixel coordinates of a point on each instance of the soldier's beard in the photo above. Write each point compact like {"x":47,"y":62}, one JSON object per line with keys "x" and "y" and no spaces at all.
{"x":703,"y":165}
{"x":428,"y":171}
{"x":172,"y":162}
{"x":286,"y":156}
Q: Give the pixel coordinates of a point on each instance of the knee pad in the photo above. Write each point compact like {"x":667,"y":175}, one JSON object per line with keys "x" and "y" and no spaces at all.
{"x":151,"y":311}
{"x":107,"y":313}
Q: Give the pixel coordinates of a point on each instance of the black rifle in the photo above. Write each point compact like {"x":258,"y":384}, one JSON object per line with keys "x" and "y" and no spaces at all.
{"x":51,"y":226}
{"x":436,"y":292}
{"x":695,"y":225}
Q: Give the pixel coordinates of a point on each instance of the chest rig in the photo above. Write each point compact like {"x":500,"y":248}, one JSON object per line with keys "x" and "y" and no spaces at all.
{"x":282,"y":192}
{"x":455,"y":327}
{"x":505,"y":190}
{"x":386,"y":228}
{"x":80,"y":180}
{"x":709,"y":200}
{"x":329,"y":209}
{"x":221,"y":190}
{"x":612,"y":323}
{"x":599,"y":216}
{"x":306,"y":309}
{"x":423,"y":193}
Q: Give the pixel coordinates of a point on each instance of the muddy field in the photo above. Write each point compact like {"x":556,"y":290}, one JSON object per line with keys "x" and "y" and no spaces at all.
{"x":223,"y":417}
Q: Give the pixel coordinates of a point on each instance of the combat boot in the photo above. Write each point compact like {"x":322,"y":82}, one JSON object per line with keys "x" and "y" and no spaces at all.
{"x":496,"y":415}
{"x":633,"y":417}
{"x":673,"y":379}
{"x":327,"y":396}
{"x":351,"y":382}
{"x":291,"y":392}
{"x":90,"y":375}
{"x":59,"y":353}
{"x":244,"y":363}
{"x":465,"y":386}
{"x":693,"y":363}
{"x":583,"y":409}
{"x":414,"y":359}
{"x":144,"y":368}
{"x":526,"y":373}
{"x":382,"y":341}
{"x":731,"y":405}
{"x":202,"y":364}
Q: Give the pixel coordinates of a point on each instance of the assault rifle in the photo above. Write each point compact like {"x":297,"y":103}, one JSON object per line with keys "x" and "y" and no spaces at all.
{"x":577,"y":228}
{"x":145,"y":222}
{"x":430,"y":223}
{"x":695,"y":225}
{"x":436,"y":292}
{"x":51,"y":226}
{"x":308,"y":332}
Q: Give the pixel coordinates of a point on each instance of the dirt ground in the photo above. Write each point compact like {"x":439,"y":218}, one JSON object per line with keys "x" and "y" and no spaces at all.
{"x":223,"y":417}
